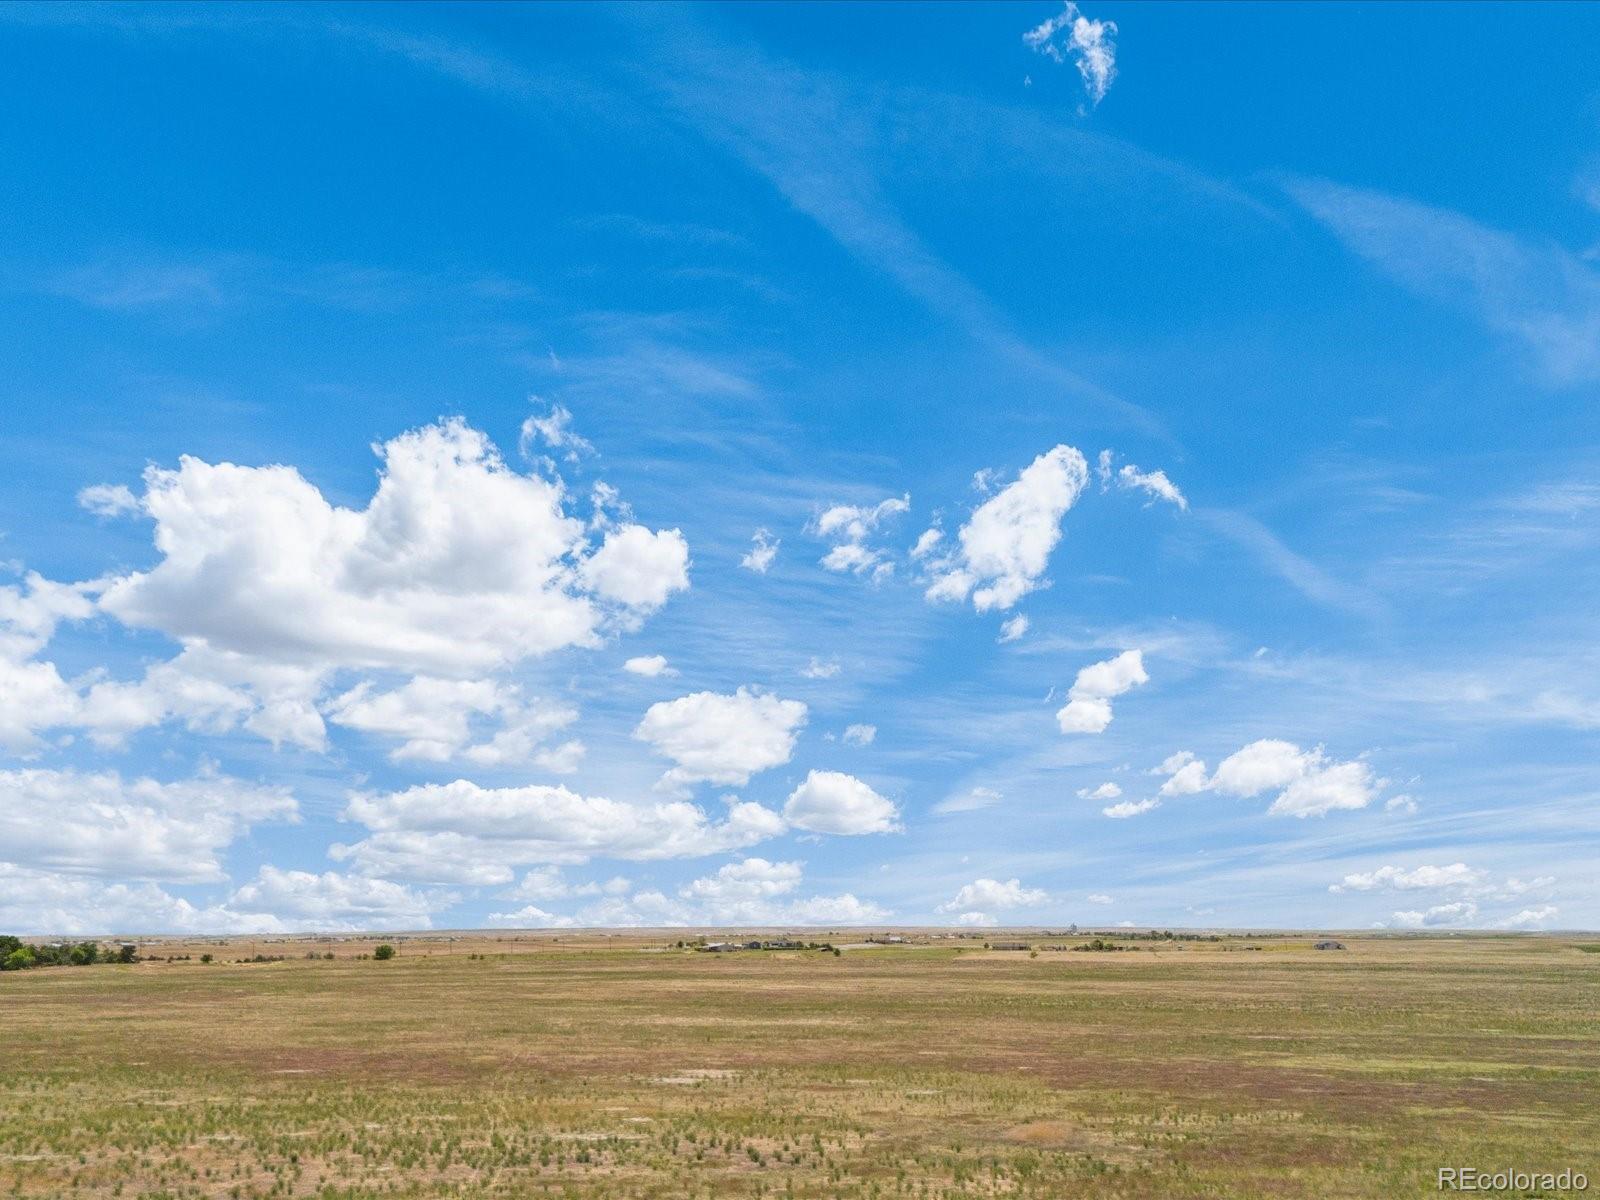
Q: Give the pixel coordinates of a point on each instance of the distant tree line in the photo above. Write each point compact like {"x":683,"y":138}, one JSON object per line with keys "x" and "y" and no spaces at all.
{"x":17,"y":955}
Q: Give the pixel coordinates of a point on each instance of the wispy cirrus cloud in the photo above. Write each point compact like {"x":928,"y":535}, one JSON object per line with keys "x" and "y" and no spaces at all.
{"x":1536,"y":294}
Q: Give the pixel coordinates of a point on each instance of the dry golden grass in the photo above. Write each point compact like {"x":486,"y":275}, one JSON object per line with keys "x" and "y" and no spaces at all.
{"x":589,"y":1067}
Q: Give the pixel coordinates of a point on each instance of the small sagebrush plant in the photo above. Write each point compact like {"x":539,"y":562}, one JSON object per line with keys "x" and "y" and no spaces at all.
{"x":383,"y":952}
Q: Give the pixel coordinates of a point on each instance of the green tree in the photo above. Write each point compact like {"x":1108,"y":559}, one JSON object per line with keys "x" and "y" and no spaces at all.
{"x":84,"y":954}
{"x":384,"y":952}
{"x":19,"y":959}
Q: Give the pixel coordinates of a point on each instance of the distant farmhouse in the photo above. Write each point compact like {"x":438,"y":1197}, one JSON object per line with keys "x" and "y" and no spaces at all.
{"x":1330,"y":944}
{"x":1009,"y":946}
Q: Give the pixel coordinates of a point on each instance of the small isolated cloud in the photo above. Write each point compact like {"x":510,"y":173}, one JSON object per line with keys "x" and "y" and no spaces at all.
{"x":1154,"y":483}
{"x":1005,"y":545}
{"x":1088,"y":707}
{"x":1106,"y":791}
{"x":1457,"y":912}
{"x":985,"y":894}
{"x":1308,"y":782}
{"x":763,"y":549}
{"x":648,"y":665}
{"x":553,"y":430}
{"x":1013,"y":629}
{"x":833,"y":802}
{"x":817,"y":669}
{"x":715,"y":738}
{"x":1186,"y":774}
{"x":109,"y":500}
{"x":976,"y":919}
{"x":969,"y":801}
{"x":1130,"y":808}
{"x":860,"y":735}
{"x":639,"y":568}
{"x":927,"y":543}
{"x":1400,"y":804}
{"x":848,"y":527}
{"x":1098,"y":898}
{"x":1091,"y":45}
{"x":752,"y":879}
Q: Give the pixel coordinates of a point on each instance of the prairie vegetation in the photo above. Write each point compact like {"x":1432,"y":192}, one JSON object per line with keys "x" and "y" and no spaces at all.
{"x":624,"y":1067}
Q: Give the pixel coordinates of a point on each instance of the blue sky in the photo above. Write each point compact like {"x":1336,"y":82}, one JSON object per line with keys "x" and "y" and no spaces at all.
{"x":481,"y":465}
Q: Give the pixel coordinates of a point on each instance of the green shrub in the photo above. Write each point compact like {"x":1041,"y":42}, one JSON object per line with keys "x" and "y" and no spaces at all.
{"x":19,"y":959}
{"x":383,"y":952}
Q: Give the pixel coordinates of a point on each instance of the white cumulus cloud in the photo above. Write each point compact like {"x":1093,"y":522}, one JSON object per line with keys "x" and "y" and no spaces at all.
{"x":1088,"y":707}
{"x":833,"y":802}
{"x":985,"y":894}
{"x":50,"y":902}
{"x":752,"y":879}
{"x":1013,"y":629}
{"x":437,"y":720}
{"x":461,"y":832}
{"x":763,"y":550}
{"x":1004,"y":547}
{"x":457,"y":567}
{"x":717,"y":738}
{"x":1130,"y":808}
{"x":109,"y":499}
{"x":648,"y":665}
{"x":751,"y":892}
{"x":457,"y":564}
{"x":303,"y":900}
{"x":1308,"y":782}
{"x":849,"y":527}
{"x":1457,"y":912}
{"x":102,"y":824}
{"x":1403,"y":879}
{"x":1090,"y":44}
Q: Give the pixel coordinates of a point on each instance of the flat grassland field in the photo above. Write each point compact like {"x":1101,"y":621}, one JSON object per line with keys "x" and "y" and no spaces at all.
{"x":589,"y":1066}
